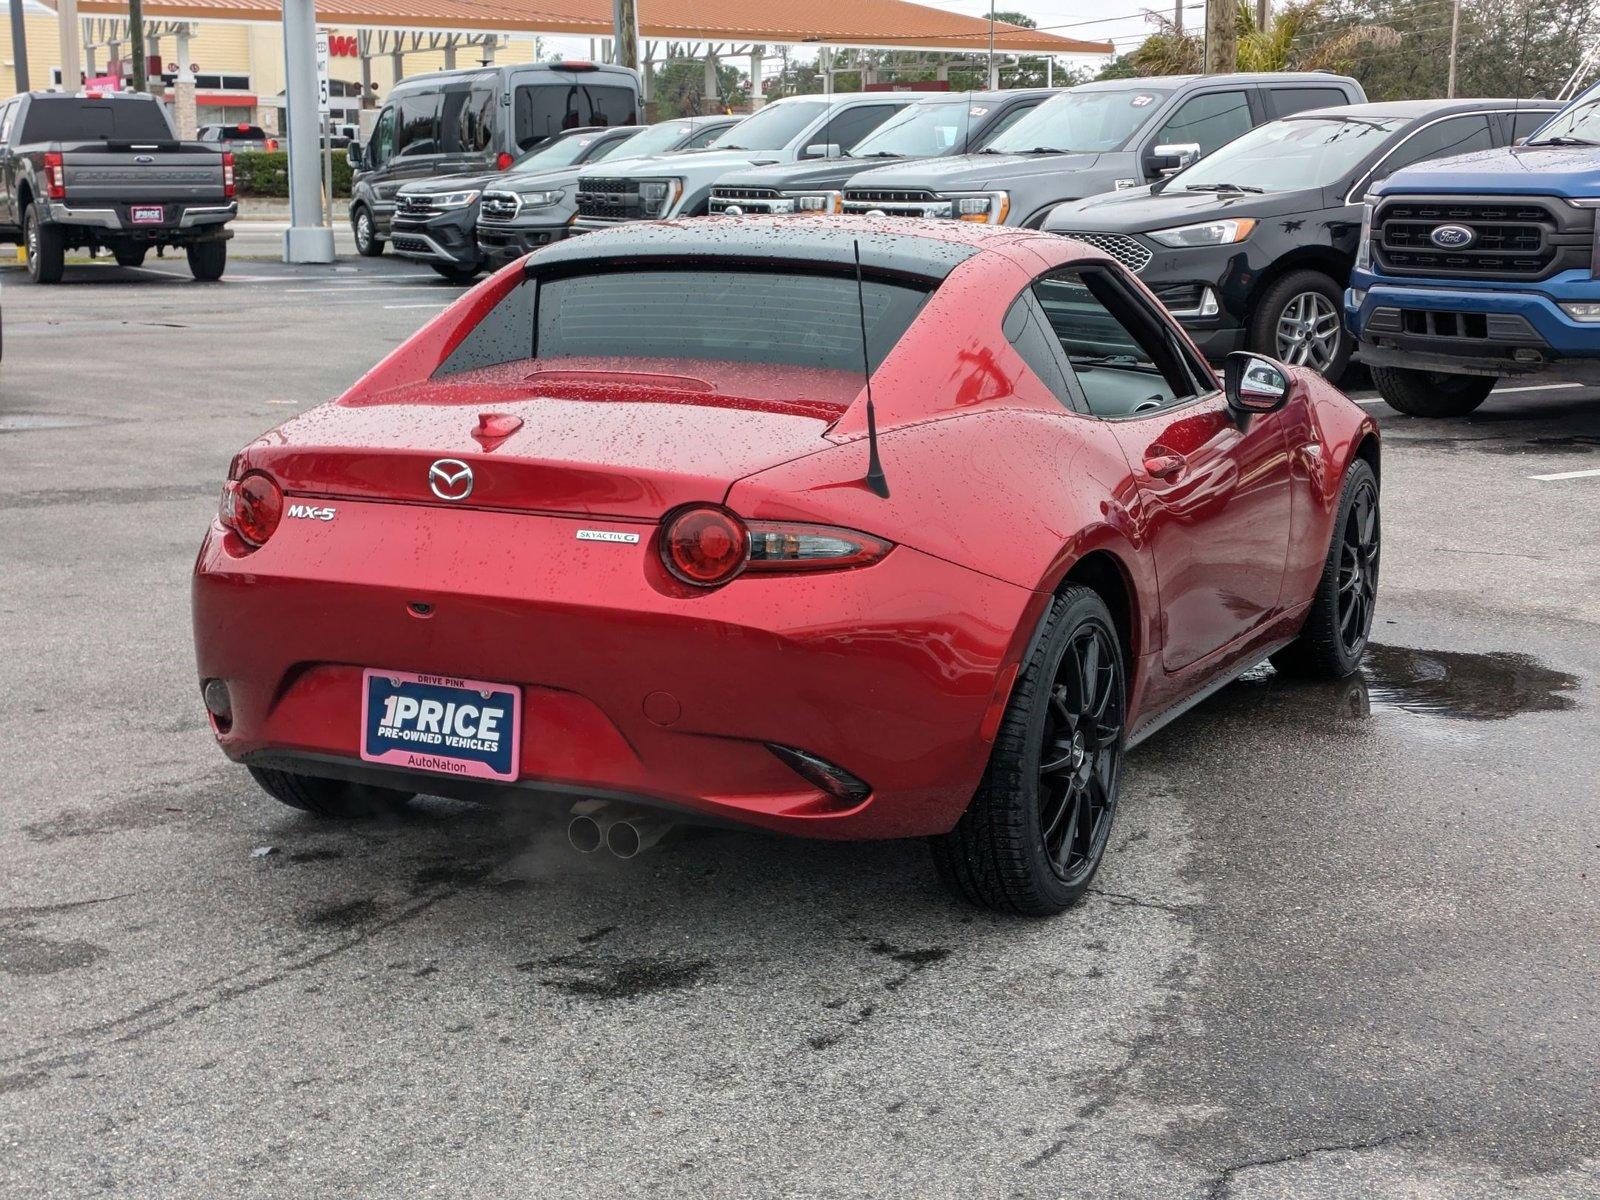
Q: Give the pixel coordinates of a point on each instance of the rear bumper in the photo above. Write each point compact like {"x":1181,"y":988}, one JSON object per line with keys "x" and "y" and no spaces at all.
{"x":1487,"y":331}
{"x":630,"y":686}
{"x":196,"y":221}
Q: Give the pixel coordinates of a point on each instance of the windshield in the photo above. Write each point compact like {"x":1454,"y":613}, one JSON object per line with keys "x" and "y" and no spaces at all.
{"x":656,"y":139}
{"x":772,"y":128}
{"x":1577,"y":125}
{"x":1286,"y":156}
{"x":557,"y":152}
{"x":1080,"y":121}
{"x":920,"y":131}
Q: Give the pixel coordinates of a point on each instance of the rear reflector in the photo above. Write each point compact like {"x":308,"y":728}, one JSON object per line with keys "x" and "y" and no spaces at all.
{"x":830,"y":777}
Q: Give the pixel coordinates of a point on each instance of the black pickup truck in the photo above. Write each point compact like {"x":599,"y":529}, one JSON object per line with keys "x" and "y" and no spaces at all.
{"x":107,"y":173}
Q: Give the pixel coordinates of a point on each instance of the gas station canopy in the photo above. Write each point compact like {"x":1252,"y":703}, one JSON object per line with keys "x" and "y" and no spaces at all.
{"x":878,"y":24}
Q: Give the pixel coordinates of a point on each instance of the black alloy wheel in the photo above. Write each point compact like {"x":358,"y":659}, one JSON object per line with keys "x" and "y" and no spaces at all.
{"x":1080,"y":755}
{"x":1358,"y":569}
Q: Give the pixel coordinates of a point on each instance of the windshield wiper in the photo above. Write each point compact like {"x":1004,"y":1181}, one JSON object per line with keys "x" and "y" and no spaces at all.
{"x":1222,"y":187}
{"x":1562,"y":139}
{"x":877,"y":154}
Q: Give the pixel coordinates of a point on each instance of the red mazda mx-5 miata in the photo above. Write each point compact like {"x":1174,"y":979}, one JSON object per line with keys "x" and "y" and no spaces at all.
{"x":844,"y":528}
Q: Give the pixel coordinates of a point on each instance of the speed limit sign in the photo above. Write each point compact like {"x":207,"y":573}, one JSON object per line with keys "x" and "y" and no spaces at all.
{"x":322,"y":73}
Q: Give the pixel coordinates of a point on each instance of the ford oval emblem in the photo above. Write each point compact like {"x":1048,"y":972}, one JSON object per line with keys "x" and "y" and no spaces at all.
{"x":1452,"y":237}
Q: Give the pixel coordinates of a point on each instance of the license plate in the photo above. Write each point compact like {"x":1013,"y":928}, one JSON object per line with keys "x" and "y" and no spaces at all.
{"x":148,"y":214}
{"x":439,"y":723}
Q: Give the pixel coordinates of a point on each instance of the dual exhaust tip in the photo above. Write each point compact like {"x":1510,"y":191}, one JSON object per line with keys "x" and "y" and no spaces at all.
{"x":627,"y":833}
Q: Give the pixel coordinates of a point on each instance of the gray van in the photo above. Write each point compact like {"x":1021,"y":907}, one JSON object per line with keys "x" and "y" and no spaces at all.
{"x":477,"y":120}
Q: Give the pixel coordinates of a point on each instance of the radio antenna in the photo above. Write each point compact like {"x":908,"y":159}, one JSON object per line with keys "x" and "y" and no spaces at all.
{"x":875,"y":478}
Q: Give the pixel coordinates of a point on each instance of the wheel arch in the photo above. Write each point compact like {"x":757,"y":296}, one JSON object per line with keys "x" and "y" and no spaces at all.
{"x":1326,"y":259}
{"x":24,"y":196}
{"x":1105,"y":574}
{"x":1369,"y":451}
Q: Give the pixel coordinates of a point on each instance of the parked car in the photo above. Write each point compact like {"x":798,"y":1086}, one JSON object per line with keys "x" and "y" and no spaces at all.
{"x":793,"y":129}
{"x":473,"y":121}
{"x":953,"y":123}
{"x":436,"y":220}
{"x":242,"y":136}
{"x":1093,"y":138}
{"x":108,"y":173}
{"x":529,"y":209}
{"x":1252,"y":246}
{"x":1482,"y":267}
{"x":666,"y":552}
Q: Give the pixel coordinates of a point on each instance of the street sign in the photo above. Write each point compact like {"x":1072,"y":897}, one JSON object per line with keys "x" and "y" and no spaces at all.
{"x":322,"y":73}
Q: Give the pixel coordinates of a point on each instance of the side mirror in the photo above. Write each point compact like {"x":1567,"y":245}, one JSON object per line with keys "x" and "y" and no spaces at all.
{"x":353,"y":156}
{"x":1171,"y":157}
{"x":823,"y":150}
{"x":1254,"y":384}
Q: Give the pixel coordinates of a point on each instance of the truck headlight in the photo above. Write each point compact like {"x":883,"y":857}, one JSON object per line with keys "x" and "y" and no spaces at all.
{"x":983,"y":208}
{"x":542,"y":199}
{"x":1364,"y":246}
{"x":657,"y":196}
{"x":456,"y":199}
{"x":1208,"y":233}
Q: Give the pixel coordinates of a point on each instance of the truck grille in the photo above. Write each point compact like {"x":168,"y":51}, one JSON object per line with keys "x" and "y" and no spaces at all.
{"x":896,"y":202}
{"x":608,"y":199}
{"x":1128,"y":251}
{"x":499,"y":206}
{"x":1530,"y":237}
{"x":747,"y":199}
{"x":415,"y":206}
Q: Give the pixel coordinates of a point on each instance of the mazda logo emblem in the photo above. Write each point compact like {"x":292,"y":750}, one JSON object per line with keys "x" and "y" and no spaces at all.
{"x":1452,"y":237}
{"x":450,"y":479}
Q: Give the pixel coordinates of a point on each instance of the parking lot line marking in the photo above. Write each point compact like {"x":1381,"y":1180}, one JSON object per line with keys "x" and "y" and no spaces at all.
{"x":1566,"y":475}
{"x":1374,"y":400}
{"x":365,"y":287}
{"x":435,"y":304}
{"x":1538,"y":387}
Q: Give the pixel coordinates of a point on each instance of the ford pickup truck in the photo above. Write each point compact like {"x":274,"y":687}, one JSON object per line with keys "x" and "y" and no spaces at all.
{"x":1482,"y":267}
{"x":107,"y":173}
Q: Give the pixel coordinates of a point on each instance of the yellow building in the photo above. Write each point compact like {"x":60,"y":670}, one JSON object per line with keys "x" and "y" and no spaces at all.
{"x":238,"y":66}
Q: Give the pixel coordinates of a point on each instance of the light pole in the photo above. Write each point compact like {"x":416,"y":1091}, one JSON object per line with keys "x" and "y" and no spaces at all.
{"x":307,"y":240}
{"x":19,"y":47}
{"x":994,"y":74}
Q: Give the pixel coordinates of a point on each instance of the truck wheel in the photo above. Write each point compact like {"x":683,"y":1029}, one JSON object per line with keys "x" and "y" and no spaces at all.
{"x":457,"y":274}
{"x":207,"y":260}
{"x":1033,"y":835}
{"x":368,"y":243}
{"x":130,"y":256}
{"x":1431,"y":393}
{"x":1298,"y":321}
{"x":47,"y":248}
{"x":330,"y":798}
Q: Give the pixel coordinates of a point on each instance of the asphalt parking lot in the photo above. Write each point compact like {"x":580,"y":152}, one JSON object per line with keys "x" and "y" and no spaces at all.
{"x":1347,"y":943}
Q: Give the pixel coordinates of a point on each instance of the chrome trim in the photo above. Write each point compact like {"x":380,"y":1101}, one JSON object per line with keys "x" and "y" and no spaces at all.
{"x":207,"y":216}
{"x":902,"y":208}
{"x":435,"y":250}
{"x":98,"y":218}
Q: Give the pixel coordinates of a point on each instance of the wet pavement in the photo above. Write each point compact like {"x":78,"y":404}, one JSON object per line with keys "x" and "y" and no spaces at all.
{"x":1345,"y":944}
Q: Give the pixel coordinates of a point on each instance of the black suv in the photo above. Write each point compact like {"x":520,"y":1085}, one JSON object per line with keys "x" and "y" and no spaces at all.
{"x":1252,"y":247}
{"x":472,"y":121}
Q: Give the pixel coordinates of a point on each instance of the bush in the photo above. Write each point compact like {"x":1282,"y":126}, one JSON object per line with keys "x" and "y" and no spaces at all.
{"x":266,"y":173}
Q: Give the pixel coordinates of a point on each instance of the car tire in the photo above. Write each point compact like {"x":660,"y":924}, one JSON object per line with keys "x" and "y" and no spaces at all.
{"x":1033,"y":835}
{"x":208,"y":260}
{"x":331,"y":798}
{"x":365,"y":230}
{"x":1431,"y":393}
{"x":456,"y":274}
{"x":1335,"y":633}
{"x":129,"y":256}
{"x":46,"y":245}
{"x":1299,"y":320}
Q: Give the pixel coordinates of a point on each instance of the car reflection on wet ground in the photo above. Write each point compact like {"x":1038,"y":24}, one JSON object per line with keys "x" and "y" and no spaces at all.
{"x":1344,"y":946}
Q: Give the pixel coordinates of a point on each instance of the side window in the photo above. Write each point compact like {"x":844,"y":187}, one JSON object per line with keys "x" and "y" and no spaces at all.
{"x":452,"y":120}
{"x":1024,"y":330}
{"x":702,"y":138}
{"x":1283,"y":102}
{"x":8,"y":115}
{"x":845,"y":129}
{"x":1208,"y":121}
{"x":601,"y":148}
{"x":1454,"y":136}
{"x":1002,"y":124}
{"x":477,"y":120}
{"x":1124,"y":360}
{"x":1524,"y":123}
{"x":417,"y":126}
{"x":381,"y":148}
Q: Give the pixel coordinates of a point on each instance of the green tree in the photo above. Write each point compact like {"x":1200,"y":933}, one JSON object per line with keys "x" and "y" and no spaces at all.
{"x":1298,"y":37}
{"x":678,"y":87}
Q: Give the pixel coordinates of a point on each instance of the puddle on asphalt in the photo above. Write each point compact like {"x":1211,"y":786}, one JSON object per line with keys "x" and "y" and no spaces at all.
{"x":25,"y":422}
{"x":1578,"y":443}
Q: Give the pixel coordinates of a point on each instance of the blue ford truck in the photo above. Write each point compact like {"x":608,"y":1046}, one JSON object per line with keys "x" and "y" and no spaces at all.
{"x":1484,"y":266}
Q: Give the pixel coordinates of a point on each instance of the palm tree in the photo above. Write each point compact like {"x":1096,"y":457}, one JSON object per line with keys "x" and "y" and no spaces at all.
{"x":1288,"y":43}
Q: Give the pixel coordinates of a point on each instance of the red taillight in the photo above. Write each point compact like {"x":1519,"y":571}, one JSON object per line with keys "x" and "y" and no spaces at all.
{"x":272,"y":144}
{"x":252,"y":507}
{"x":227,"y":174}
{"x":55,"y":182}
{"x":503,"y":161}
{"x":708,"y":546}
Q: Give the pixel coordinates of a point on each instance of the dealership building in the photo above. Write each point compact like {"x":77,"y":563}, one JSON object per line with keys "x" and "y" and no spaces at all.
{"x":231,"y":51}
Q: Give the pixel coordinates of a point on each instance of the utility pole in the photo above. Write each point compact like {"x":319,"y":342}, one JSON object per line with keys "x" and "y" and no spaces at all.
{"x":141,"y":79}
{"x":1455,"y":40}
{"x":71,"y":58}
{"x":1177,"y":17}
{"x":1263,"y":15}
{"x":19,"y":46}
{"x":1222,"y":36}
{"x":994,"y":73}
{"x":625,"y":32}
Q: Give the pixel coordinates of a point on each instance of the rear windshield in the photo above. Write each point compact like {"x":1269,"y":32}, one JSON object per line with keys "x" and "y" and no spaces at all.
{"x":546,"y":109}
{"x":232,"y":133}
{"x":67,"y":119}
{"x":772,"y":128}
{"x":792,"y":319}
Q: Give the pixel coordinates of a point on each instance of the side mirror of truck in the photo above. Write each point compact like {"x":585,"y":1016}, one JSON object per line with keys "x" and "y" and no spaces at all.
{"x":354,"y":156}
{"x":1254,"y":384}
{"x":1171,"y":157}
{"x":822,"y":150}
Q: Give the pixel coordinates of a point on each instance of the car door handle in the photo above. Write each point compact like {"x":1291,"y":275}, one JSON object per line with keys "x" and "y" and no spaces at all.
{"x":1163,"y":466}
